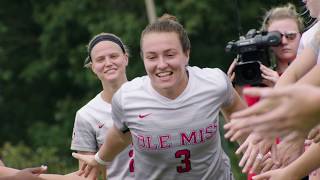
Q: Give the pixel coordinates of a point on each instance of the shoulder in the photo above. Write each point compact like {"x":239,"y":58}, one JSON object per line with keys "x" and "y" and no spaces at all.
{"x":95,"y":105}
{"x":308,"y":35}
{"x":211,"y":79}
{"x":209,"y":74}
{"x":135,"y":84}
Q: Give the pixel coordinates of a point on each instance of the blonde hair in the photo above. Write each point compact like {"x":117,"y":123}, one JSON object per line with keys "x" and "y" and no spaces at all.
{"x":287,"y":11}
{"x":95,"y":40}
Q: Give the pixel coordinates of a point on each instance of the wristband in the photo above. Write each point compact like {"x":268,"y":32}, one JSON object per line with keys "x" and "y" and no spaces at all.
{"x":99,"y":160}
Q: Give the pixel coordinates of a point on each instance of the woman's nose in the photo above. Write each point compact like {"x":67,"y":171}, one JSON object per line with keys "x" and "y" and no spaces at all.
{"x":162,"y":63}
{"x":107,"y":61}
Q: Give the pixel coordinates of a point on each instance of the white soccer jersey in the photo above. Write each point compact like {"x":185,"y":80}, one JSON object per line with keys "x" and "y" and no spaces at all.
{"x":176,"y":139}
{"x":91,"y":125}
{"x":307,"y":37}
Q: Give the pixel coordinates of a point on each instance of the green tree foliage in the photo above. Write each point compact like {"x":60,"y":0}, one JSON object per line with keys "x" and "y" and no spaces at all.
{"x":43,"y":46}
{"x":21,"y":156}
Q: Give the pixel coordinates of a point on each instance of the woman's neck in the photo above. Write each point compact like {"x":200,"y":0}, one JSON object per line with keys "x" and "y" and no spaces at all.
{"x":282,"y":66}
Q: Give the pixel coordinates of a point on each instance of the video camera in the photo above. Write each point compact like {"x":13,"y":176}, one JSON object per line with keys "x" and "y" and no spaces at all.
{"x":252,"y":49}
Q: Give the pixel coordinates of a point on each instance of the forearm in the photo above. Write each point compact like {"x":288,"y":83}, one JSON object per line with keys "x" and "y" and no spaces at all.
{"x":306,"y":163}
{"x":71,"y":176}
{"x":312,"y":77}
{"x":287,"y":78}
{"x":298,"y":68}
{"x":239,"y":90}
{"x":114,"y":143}
{"x":7,"y":178}
{"x":5,"y":171}
{"x":237,"y":105}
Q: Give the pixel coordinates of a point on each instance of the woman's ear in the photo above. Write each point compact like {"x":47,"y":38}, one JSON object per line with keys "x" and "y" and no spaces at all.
{"x":127,"y":59}
{"x":187,"y":53}
{"x":90,"y":66}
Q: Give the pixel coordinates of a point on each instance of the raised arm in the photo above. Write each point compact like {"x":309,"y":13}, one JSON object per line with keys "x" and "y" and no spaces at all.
{"x":298,"y":68}
{"x":115,"y":142}
{"x":237,"y":104}
{"x":312,"y":77}
{"x":26,"y":174}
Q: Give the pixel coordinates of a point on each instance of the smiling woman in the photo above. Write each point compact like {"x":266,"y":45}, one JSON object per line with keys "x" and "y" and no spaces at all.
{"x":165,"y":63}
{"x":108,"y":59}
{"x":171,"y":115}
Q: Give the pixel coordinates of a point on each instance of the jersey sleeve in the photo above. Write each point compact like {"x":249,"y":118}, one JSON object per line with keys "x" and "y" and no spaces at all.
{"x":229,"y":93}
{"x":83,"y":137}
{"x":217,"y":76}
{"x":117,"y":112}
{"x":314,"y":45}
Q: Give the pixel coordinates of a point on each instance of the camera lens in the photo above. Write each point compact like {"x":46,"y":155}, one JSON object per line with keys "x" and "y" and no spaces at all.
{"x":250,"y":74}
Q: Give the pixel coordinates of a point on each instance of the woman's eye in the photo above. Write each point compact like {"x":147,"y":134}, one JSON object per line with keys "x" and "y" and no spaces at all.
{"x":99,"y":59}
{"x":151,"y":57}
{"x":114,"y":56}
{"x":170,"y":55}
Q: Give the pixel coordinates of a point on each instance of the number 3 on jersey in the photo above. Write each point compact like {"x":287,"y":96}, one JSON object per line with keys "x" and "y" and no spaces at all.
{"x":184,"y":155}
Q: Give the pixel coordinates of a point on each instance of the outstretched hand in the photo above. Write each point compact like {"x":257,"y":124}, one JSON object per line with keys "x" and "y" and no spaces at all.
{"x":90,"y":166}
{"x":30,"y":173}
{"x":37,"y":170}
{"x":314,"y":134}
{"x":254,"y":150}
{"x":244,"y":122}
{"x":278,"y":174}
{"x":282,"y":111}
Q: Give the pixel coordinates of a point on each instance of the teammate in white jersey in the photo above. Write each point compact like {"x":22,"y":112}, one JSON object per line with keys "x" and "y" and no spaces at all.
{"x":107,"y":58}
{"x":171,"y":115}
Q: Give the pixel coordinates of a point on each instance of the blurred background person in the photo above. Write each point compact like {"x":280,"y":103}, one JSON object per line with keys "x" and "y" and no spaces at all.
{"x":287,"y":21}
{"x":107,"y":58}
{"x":304,"y":70}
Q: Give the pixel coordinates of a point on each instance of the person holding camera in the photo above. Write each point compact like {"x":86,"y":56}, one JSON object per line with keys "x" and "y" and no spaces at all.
{"x":266,"y":116}
{"x":286,"y":21}
{"x":304,"y":70}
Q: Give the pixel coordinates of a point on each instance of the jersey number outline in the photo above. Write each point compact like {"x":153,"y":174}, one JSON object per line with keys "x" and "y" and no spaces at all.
{"x":184,"y":155}
{"x":131,"y":163}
